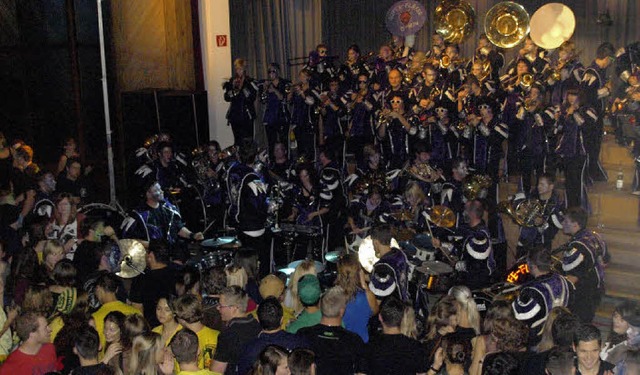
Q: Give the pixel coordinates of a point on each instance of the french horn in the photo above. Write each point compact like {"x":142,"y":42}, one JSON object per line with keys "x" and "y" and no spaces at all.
{"x":506,"y":24}
{"x":528,"y":213}
{"x":455,"y":20}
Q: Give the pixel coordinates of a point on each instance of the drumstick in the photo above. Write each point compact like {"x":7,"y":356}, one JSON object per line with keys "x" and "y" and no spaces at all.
{"x":208,"y":227}
{"x":451,"y":261}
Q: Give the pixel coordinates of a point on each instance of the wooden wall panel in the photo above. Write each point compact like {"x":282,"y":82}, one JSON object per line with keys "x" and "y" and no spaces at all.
{"x":153,"y":44}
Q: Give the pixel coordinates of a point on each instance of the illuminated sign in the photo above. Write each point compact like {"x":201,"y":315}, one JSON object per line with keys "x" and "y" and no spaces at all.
{"x":519,"y":272}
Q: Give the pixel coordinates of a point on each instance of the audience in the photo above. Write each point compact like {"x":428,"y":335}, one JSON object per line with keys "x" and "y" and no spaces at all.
{"x":240,"y":329}
{"x":270,"y":318}
{"x":86,"y":348}
{"x":337,"y":350}
{"x":36,"y":354}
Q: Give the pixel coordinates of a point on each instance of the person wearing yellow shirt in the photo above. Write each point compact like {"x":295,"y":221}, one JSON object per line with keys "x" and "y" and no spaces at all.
{"x":272,"y":286}
{"x":167,"y":318}
{"x":105,"y":291}
{"x":188,"y":309}
{"x":185,"y":348}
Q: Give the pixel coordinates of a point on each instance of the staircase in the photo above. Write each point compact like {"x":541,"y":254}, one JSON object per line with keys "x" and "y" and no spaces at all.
{"x":615,"y":215}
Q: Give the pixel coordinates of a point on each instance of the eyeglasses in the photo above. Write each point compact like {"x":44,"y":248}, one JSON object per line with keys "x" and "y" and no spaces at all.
{"x":483,"y":106}
{"x":441,"y":110}
{"x":396,"y":102}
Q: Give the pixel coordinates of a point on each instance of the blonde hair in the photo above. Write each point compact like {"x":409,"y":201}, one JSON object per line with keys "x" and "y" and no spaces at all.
{"x":236,"y":276}
{"x":467,"y":305}
{"x":408,"y":326}
{"x":307,"y":267}
{"x":50,"y":246}
{"x":440,"y":314}
{"x":240,"y":63}
{"x":413,"y":189}
{"x":145,"y":350}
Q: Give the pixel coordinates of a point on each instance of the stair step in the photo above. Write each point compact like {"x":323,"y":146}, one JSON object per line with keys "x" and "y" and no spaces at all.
{"x":619,"y":278}
{"x":627,"y":170}
{"x":613,"y":153}
{"x":611,"y":207}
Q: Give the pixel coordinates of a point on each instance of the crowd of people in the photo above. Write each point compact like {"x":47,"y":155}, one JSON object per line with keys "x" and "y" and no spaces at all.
{"x":407,"y":150}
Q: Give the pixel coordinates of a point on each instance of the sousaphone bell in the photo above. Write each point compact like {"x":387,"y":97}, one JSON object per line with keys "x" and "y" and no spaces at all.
{"x":455,"y":20}
{"x":506,"y":24}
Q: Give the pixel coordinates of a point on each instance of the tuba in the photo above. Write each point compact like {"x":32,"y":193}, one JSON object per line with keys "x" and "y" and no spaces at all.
{"x":506,"y":24}
{"x":455,"y":20}
{"x":527,"y":80}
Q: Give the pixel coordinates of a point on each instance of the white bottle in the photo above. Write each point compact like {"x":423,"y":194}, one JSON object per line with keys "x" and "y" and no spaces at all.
{"x":620,"y":179}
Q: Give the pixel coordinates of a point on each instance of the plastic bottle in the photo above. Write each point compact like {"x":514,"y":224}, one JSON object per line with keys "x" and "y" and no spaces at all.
{"x":620,"y":179}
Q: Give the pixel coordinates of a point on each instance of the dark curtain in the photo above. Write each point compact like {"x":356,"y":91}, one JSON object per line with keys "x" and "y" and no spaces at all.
{"x":363,"y":22}
{"x":263,"y":30}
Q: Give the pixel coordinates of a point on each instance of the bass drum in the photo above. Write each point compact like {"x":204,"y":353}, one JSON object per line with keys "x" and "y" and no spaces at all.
{"x":111,"y":216}
{"x":192,"y":208}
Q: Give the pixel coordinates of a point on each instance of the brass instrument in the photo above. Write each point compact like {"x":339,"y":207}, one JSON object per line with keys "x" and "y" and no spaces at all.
{"x":446,"y":61}
{"x":526,"y":80}
{"x":474,"y":184}
{"x":530,"y":104}
{"x":455,"y":20}
{"x":529,"y":213}
{"x":423,"y":172}
{"x":229,"y":152}
{"x":506,"y":24}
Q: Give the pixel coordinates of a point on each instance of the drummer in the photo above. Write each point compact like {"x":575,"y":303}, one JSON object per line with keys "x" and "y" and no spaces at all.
{"x":159,"y":219}
{"x":410,"y":210}
{"x":365,"y":211}
{"x":476,"y":264}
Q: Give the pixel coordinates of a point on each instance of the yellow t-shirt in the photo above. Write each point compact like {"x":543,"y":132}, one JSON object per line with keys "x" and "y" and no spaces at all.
{"x":98,"y":316}
{"x":159,"y":330}
{"x":287,"y":316}
{"x":207,"y":341}
{"x":199,"y":372}
{"x":56,"y":325}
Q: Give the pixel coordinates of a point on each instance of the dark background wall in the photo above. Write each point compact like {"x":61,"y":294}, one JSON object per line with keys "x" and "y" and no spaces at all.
{"x":50,"y":75}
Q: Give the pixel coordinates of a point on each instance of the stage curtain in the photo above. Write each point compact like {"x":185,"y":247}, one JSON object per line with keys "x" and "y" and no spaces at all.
{"x":274,"y":30}
{"x":265,"y":31}
{"x":363,"y":22}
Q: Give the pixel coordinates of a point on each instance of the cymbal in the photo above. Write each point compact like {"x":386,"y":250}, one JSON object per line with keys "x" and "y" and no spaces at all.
{"x":434,"y":268}
{"x":332,"y":256}
{"x":226,"y":242}
{"x":133,"y":258}
{"x":442,"y":216}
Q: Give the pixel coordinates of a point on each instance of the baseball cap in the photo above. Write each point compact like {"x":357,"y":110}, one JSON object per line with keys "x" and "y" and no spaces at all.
{"x":271,"y":285}
{"x":309,"y":289}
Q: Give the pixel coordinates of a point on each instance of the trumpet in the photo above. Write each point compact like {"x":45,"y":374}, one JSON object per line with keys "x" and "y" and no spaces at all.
{"x":446,"y":61}
{"x":530,"y":104}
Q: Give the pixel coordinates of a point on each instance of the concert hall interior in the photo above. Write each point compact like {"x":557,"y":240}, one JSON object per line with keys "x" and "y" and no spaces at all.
{"x":457,"y":179}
